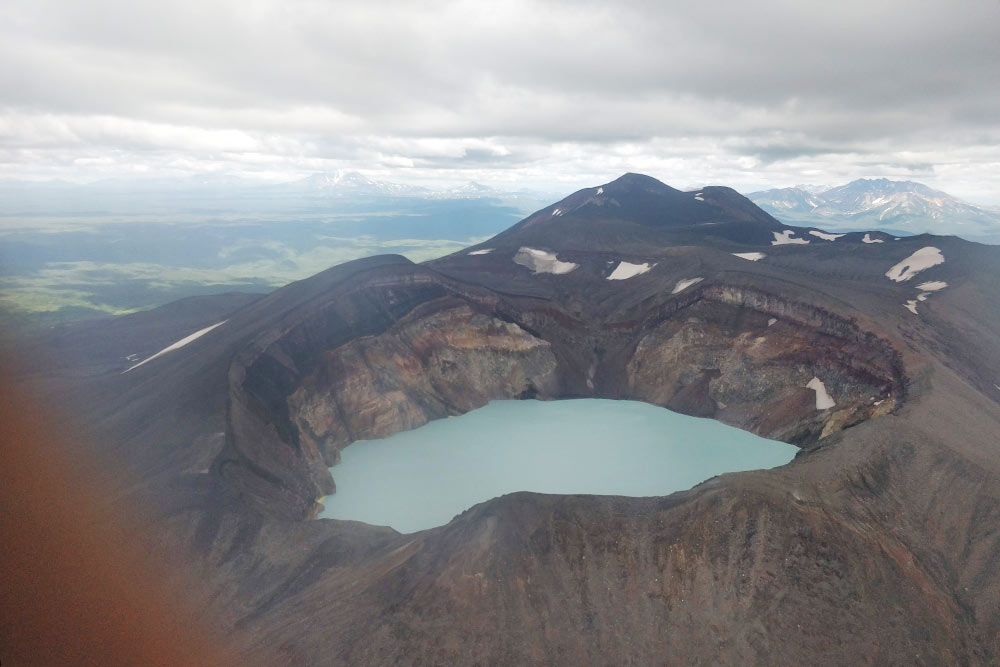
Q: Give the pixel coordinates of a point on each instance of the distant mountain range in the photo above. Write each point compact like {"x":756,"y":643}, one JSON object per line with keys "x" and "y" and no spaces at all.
{"x":898,"y":207}
{"x":339,"y":183}
{"x":352,"y":182}
{"x":207,"y":195}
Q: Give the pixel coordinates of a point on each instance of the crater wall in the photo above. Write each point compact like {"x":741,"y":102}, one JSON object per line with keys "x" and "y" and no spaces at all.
{"x":421,"y":348}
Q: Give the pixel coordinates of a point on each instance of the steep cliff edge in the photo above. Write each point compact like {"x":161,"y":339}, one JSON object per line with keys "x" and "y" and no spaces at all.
{"x":426,"y":367}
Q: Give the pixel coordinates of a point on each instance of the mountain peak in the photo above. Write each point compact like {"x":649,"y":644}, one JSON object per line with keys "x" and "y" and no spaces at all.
{"x":472,"y":188}
{"x":882,"y":186}
{"x":343,"y":182}
{"x":632,"y":181}
{"x":882,"y":203}
{"x":339,"y":177}
{"x":643,"y":209}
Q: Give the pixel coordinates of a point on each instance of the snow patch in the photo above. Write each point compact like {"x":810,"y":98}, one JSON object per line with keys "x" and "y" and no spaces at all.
{"x":825,"y":236}
{"x":541,"y":261}
{"x":179,"y":344}
{"x":600,"y":191}
{"x":771,"y":321}
{"x":932,"y":286}
{"x":699,"y":197}
{"x":752,"y":256}
{"x":923,"y":296}
{"x":557,"y":212}
{"x":922,"y":259}
{"x":785,"y":238}
{"x":484,"y":251}
{"x":685,"y":283}
{"x":911,"y":306}
{"x":626,"y":270}
{"x":823,"y":398}
{"x":868,"y":239}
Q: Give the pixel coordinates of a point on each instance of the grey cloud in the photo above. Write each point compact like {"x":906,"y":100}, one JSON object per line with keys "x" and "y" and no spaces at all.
{"x":292,"y":86}
{"x":768,"y":153}
{"x":915,"y":168}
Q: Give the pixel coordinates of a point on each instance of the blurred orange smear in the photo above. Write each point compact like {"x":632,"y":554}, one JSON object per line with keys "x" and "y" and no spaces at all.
{"x":76,"y":586}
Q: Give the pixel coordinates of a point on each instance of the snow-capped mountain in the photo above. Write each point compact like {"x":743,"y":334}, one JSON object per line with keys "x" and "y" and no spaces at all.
{"x":787,"y":199}
{"x":814,"y":189}
{"x":472,"y":189}
{"x":343,"y":182}
{"x":890,"y":199}
{"x":899,"y":206}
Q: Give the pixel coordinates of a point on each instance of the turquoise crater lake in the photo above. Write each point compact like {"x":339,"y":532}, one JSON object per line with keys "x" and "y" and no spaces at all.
{"x":424,"y":477}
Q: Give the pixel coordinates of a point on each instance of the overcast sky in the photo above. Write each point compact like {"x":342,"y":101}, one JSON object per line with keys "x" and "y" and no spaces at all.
{"x":551,"y":94}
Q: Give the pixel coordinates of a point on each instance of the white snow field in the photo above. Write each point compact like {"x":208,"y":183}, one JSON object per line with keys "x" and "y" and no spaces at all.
{"x":785,"y":238}
{"x":823,"y":398}
{"x":175,"y":346}
{"x":626,"y":270}
{"x":922,"y":259}
{"x":541,"y":261}
{"x":685,"y":283}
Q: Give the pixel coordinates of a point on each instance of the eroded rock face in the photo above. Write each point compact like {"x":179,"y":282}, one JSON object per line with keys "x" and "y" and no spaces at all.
{"x":725,"y":359}
{"x":426,"y":367}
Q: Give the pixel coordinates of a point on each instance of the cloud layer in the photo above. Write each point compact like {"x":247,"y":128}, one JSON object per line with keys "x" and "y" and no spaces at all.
{"x":535,"y":92}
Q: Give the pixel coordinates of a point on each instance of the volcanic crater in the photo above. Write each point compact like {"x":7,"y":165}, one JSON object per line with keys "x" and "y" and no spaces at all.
{"x":877,"y":544}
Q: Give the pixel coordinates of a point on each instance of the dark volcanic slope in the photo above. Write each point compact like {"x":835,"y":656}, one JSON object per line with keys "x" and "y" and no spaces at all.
{"x":877,"y":545}
{"x":637,"y":209}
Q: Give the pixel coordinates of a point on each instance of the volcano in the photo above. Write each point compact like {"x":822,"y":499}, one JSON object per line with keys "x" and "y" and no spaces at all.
{"x":879,"y":357}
